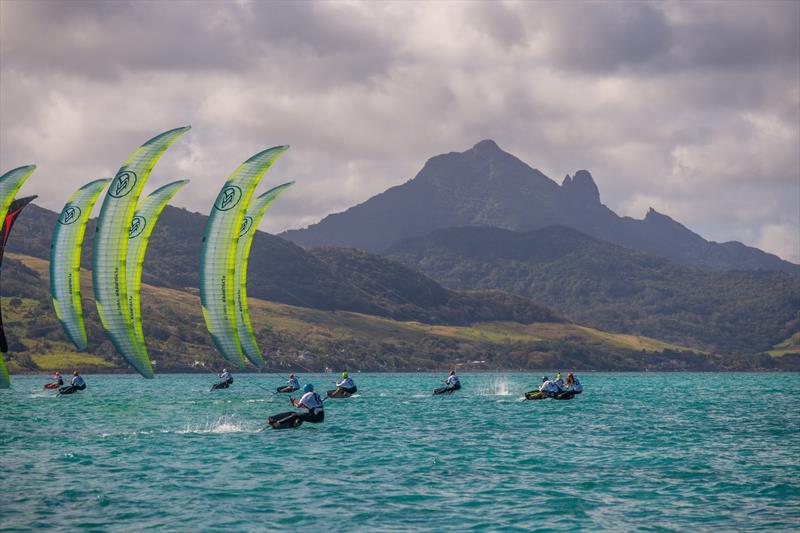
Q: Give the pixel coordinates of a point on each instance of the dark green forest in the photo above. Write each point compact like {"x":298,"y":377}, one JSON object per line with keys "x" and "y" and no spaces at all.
{"x":615,"y":288}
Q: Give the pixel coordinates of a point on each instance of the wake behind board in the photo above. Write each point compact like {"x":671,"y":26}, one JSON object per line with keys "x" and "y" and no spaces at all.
{"x":280,"y":421}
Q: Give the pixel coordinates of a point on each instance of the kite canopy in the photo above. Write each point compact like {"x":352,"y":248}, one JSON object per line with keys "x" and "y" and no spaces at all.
{"x":111,"y":247}
{"x":144,"y":221}
{"x":218,"y":254}
{"x":10,"y":182}
{"x":250,"y":224}
{"x":65,"y":260}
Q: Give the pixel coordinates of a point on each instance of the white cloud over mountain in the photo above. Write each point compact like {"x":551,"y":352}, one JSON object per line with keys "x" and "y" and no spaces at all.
{"x":692,"y":107}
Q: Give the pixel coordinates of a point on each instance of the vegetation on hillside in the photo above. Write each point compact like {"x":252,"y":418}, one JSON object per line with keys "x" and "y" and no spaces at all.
{"x":283,"y":272}
{"x":315,"y":339}
{"x":614,"y":288}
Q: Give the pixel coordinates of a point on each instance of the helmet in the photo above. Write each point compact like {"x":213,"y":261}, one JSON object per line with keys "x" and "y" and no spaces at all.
{"x":558,"y":376}
{"x":452,"y":372}
{"x":545,"y":378}
{"x":308,"y":387}
{"x":570,"y":375}
{"x":57,"y":373}
{"x":291,"y":375}
{"x":74,"y":372}
{"x":224,"y":369}
{"x":344,"y":374}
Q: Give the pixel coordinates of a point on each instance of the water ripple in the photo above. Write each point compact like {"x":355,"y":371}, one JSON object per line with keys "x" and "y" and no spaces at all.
{"x":636,"y":451}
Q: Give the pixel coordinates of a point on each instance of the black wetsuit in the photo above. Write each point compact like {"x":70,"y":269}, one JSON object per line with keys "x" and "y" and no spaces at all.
{"x":315,"y":416}
{"x":564,"y":395}
{"x":69,"y":389}
{"x":222,"y":384}
{"x":450,"y":389}
{"x":293,"y":419}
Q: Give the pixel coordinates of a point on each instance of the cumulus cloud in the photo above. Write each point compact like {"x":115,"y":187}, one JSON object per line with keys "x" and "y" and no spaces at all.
{"x":691,"y":107}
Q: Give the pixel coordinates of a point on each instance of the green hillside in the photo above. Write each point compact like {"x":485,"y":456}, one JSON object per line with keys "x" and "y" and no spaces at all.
{"x":615,"y":288}
{"x":314,"y":339}
{"x":790,"y":346}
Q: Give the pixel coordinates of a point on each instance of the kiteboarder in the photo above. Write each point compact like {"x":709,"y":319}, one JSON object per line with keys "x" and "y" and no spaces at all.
{"x":57,"y":382}
{"x":547,"y":389}
{"x":346,"y":387}
{"x":559,"y":382}
{"x":227,"y":380}
{"x":573,"y":384}
{"x":310,"y":401}
{"x":76,"y":384}
{"x":291,"y":385}
{"x":452,"y":384}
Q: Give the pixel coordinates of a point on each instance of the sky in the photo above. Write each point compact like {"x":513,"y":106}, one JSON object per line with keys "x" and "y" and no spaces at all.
{"x":692,"y":108}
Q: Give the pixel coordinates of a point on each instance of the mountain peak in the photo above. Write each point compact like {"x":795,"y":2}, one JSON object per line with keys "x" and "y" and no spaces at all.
{"x":654,"y":216}
{"x":487,"y":145}
{"x":581,"y":187}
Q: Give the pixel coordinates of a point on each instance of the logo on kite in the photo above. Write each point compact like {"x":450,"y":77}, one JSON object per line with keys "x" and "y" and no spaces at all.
{"x":247,"y":223}
{"x":69,"y":215}
{"x":228,"y":197}
{"x":137,"y":226}
{"x":124,"y":182}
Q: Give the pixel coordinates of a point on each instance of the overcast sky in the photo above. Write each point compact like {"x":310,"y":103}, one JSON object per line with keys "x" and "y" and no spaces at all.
{"x":691,"y":108}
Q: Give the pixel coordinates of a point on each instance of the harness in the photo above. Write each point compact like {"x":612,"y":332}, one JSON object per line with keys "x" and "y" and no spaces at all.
{"x":318,"y":399}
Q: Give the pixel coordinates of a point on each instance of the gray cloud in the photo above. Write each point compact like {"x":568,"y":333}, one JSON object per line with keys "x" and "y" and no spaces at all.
{"x":693,"y":108}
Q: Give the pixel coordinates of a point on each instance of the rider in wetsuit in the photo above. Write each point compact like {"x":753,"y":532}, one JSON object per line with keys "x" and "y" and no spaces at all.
{"x":291,"y":385}
{"x":76,"y":384}
{"x":573,"y":384}
{"x":227,"y":380}
{"x":57,"y":382}
{"x":346,"y":385}
{"x":310,"y":401}
{"x":452,"y":384}
{"x":313,"y":403}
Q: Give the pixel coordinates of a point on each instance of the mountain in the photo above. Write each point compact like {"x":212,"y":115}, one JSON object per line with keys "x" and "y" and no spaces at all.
{"x":283,"y":272}
{"x":343,"y":308}
{"x":485,"y":186}
{"x":613,"y":287}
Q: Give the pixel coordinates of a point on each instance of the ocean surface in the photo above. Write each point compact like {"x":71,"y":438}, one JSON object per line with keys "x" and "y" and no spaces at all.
{"x":649,"y":451}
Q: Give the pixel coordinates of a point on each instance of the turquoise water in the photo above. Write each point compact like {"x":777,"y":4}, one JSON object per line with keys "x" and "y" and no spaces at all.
{"x":635,"y":451}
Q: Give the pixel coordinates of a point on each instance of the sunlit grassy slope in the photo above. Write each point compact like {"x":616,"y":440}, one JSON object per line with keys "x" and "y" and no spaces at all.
{"x":315,"y":339}
{"x":790,"y":345}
